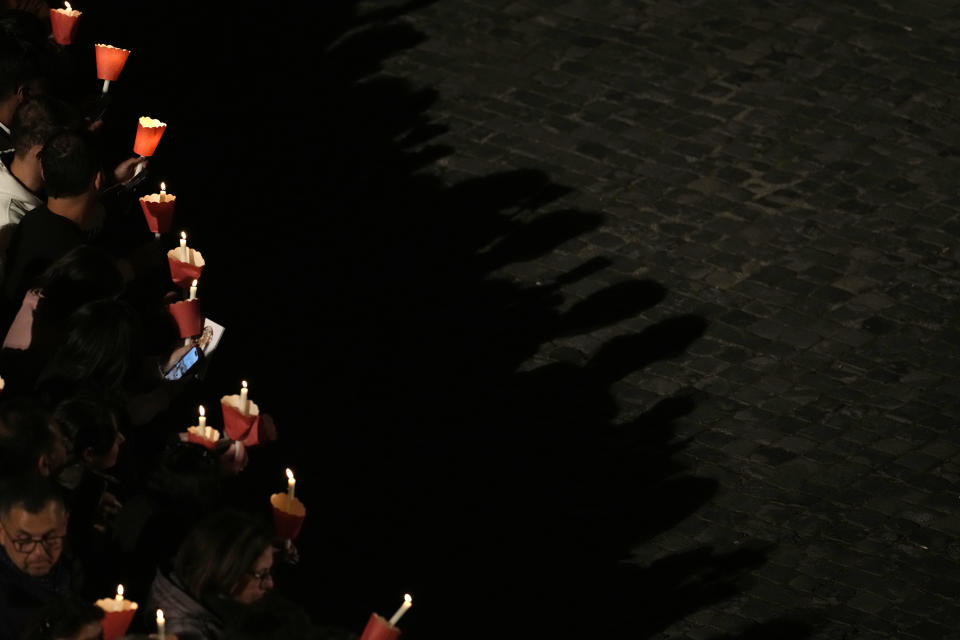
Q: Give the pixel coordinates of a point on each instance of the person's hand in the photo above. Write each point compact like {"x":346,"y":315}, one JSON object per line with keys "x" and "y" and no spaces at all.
{"x":127,"y":169}
{"x":234,"y":459}
{"x":178,"y":353}
{"x":109,"y":505}
{"x":268,"y":428}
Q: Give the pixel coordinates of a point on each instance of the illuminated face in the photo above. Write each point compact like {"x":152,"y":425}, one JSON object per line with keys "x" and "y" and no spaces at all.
{"x":258,"y":580}
{"x":34,"y":541}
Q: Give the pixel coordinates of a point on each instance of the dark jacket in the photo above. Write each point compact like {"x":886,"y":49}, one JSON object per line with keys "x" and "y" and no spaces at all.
{"x":22,"y":594}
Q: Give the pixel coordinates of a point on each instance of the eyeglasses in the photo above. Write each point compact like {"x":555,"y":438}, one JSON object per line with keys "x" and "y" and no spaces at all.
{"x":50,"y":544}
{"x":261,"y":576}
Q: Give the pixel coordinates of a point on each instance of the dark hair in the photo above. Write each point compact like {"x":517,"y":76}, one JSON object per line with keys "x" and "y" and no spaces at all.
{"x":31,"y":492}
{"x":34,"y":122}
{"x":101,"y":347}
{"x":61,"y":618}
{"x":83,"y":275}
{"x":25,"y":434}
{"x":219,"y":552}
{"x":88,"y":423}
{"x":70,"y":162}
{"x":16,"y":66}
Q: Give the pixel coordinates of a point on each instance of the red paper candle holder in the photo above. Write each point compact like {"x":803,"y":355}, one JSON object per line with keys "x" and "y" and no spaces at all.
{"x":204,"y":436}
{"x":288,"y":515}
{"x":378,"y":628}
{"x":63,"y":23}
{"x":238,"y":425}
{"x":159,"y":214}
{"x":188,"y":316}
{"x":149,"y":132}
{"x":110,"y":61}
{"x":183,"y":273}
{"x":116,"y":620}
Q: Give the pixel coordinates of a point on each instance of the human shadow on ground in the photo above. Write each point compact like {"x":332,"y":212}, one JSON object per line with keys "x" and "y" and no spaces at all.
{"x":437,"y":449}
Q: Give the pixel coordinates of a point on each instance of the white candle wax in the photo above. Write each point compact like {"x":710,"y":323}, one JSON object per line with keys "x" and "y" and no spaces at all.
{"x":291,"y":484}
{"x":119,"y":597}
{"x":161,"y":625}
{"x":163,"y":191}
{"x":244,"y":400}
{"x":193,"y":291}
{"x":184,"y":256}
{"x":407,"y":603}
{"x":106,"y":85}
{"x":203,"y":417}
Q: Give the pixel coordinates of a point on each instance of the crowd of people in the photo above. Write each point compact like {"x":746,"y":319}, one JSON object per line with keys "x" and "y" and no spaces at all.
{"x":96,"y":487}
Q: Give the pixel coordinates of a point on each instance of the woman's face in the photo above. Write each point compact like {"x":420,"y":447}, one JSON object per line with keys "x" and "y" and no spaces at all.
{"x":258,"y":580}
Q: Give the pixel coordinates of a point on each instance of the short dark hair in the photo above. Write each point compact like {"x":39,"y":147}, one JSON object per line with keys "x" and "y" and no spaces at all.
{"x":70,"y":162}
{"x":61,"y":618}
{"x":31,"y":492}
{"x":81,"y":276}
{"x":219,"y":552}
{"x":34,"y":122}
{"x":16,"y":67}
{"x":25,"y":434}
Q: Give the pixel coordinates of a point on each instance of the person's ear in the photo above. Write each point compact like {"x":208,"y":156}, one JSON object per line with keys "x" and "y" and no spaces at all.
{"x":21,"y":93}
{"x":98,"y":180}
{"x":43,"y":465}
{"x":35,"y":154}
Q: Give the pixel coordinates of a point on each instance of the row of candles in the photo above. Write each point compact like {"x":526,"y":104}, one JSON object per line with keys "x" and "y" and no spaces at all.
{"x":119,"y":614}
{"x":289,"y":512}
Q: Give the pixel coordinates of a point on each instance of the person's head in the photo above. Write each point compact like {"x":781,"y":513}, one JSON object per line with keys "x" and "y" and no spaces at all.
{"x":90,"y":424}
{"x":30,"y":443}
{"x":83,"y":275}
{"x":101,"y":348}
{"x":35,"y":121}
{"x":33,"y":523}
{"x":228,"y":554}
{"x":70,"y":165}
{"x":17,"y":73}
{"x":65,"y":619}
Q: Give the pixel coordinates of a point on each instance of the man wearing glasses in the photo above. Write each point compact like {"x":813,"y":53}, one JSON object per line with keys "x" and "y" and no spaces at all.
{"x":33,"y":526}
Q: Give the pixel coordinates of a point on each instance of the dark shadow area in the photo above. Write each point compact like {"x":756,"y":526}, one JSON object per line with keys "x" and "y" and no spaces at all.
{"x":361,"y":302}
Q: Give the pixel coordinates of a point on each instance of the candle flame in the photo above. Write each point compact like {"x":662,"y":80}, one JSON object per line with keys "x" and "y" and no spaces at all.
{"x":289,"y":474}
{"x":183,"y":235}
{"x":159,"y":616}
{"x":244,"y":384}
{"x":194,"y":283}
{"x":163,"y":186}
{"x":119,"y":592}
{"x":407,"y":598}
{"x":203,"y":411}
{"x":67,"y":5}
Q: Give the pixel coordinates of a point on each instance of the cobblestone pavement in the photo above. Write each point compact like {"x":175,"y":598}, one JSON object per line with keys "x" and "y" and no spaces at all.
{"x":787,"y":171}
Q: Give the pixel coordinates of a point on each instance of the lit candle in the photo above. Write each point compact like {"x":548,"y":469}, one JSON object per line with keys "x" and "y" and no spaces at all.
{"x":161,"y":625}
{"x":67,"y":5}
{"x":244,"y":400}
{"x":184,"y":256}
{"x":407,"y":603}
{"x":193,"y":291}
{"x":119,"y":597}
{"x":203,"y":418}
{"x":291,"y":484}
{"x":163,"y":192}
{"x":63,"y":23}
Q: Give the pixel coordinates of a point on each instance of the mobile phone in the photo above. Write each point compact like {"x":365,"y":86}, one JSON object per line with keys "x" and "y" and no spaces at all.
{"x":189,"y":359}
